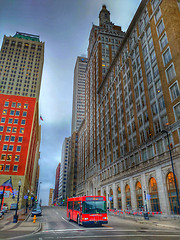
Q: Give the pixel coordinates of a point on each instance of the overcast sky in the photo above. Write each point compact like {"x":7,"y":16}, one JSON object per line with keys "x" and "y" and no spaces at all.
{"x":64,"y":26}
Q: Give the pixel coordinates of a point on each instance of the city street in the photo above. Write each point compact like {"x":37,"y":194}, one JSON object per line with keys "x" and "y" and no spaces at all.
{"x":54,"y":225}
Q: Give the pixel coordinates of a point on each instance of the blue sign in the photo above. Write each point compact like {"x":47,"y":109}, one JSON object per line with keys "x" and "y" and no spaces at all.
{"x":148,"y":196}
{"x":110,"y":198}
{"x":25,"y":197}
{"x":32,"y":198}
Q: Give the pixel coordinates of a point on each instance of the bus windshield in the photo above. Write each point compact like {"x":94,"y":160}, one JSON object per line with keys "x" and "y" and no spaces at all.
{"x":94,"y":207}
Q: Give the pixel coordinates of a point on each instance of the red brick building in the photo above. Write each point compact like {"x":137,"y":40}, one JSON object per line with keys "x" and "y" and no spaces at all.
{"x":57,"y":182}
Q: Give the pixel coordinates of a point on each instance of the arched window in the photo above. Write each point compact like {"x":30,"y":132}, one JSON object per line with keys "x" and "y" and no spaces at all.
{"x":128,"y":197}
{"x":111,"y":198}
{"x":119,"y":198}
{"x":105,"y":194}
{"x":153,"y":191}
{"x":172,"y":193}
{"x":99,"y":192}
{"x":139,"y":195}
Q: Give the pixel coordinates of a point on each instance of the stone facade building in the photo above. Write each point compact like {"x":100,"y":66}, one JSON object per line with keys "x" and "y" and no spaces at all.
{"x":122,"y":152}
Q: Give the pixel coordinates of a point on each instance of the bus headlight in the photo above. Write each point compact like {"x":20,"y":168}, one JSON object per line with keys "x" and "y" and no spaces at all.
{"x":84,"y":218}
{"x":105,"y":218}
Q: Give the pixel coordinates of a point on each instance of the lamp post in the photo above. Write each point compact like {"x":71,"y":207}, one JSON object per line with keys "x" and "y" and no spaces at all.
{"x":166,"y":132}
{"x":16,"y":216}
{"x":27,"y":200}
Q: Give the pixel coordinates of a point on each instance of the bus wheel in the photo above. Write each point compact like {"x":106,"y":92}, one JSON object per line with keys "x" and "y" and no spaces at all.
{"x":78,"y":221}
{"x":69,"y":218}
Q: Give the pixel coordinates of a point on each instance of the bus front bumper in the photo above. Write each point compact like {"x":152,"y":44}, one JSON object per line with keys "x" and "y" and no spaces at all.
{"x":94,"y":222}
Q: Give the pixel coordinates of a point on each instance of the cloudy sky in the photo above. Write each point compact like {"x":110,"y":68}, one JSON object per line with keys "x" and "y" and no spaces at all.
{"x":64,"y":26}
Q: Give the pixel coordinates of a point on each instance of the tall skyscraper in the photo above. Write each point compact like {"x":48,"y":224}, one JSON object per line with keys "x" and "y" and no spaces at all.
{"x":78,"y":111}
{"x":127,"y":156}
{"x":21,"y":64}
{"x":51,"y":192}
{"x":57,"y":180}
{"x":63,"y":171}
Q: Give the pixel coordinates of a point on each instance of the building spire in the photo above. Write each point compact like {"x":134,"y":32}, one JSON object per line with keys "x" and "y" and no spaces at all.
{"x":104,"y":16}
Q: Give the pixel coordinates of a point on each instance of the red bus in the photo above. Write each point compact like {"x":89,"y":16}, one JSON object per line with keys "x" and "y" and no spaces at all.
{"x":87,"y":210}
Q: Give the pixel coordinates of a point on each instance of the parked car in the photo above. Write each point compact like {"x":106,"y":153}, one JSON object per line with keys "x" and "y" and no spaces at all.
{"x":13,"y":206}
{"x":1,"y":214}
{"x":36,"y":211}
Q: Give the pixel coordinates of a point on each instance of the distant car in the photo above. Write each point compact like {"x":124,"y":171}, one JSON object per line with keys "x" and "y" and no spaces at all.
{"x":13,"y":206}
{"x":36,"y":211}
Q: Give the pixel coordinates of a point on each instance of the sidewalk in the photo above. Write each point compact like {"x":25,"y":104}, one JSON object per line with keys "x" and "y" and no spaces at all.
{"x":161,"y":221}
{"x":10,"y":230}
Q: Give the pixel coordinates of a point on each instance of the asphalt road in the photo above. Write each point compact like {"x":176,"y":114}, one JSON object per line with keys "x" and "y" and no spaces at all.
{"x":56,"y":226}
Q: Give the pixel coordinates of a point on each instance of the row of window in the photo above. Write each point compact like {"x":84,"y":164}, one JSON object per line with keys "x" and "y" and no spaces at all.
{"x":6,"y":104}
{"x":14,"y":129}
{"x":10,"y":148}
{"x":10,"y":120}
{"x":8,"y":157}
{"x":11,"y":138}
{"x":17,"y":112}
{"x":7,"y":168}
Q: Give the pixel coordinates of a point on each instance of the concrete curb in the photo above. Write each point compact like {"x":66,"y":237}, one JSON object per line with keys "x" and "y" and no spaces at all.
{"x":25,"y":220}
{"x":39,"y":228}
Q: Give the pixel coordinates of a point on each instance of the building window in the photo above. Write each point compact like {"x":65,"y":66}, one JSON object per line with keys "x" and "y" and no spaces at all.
{"x":5,"y":147}
{"x":7,"y":167}
{"x":16,"y":158}
{"x":14,"y":130}
{"x":144,"y":154}
{"x":2,"y":167}
{"x":153,"y":56}
{"x":20,"y":139}
{"x":26,"y":106}
{"x":153,"y":191}
{"x":157,"y":15}
{"x":177,"y":111}
{"x":170,"y":73}
{"x":158,"y":86}
{"x":8,"y":129}
{"x":21,"y":130}
{"x":10,"y":120}
{"x":1,"y":128}
{"x":155,"y":71}
{"x":160,"y":146}
{"x":5,"y":112}
{"x":0,"y":137}
{"x":12,"y":139}
{"x":13,"y":104}
{"x":11,"y":112}
{"x":24,"y":114}
{"x":150,"y":151}
{"x":18,"y":105}
{"x":161,"y":103}
{"x":11,"y":148}
{"x":17,"y":113}
{"x":6,"y":104}
{"x":9,"y":157}
{"x":154,"y":3}
{"x":15,"y":168}
{"x":163,"y":41}
{"x":23,"y":121}
{"x":15,"y":121}
{"x":18,"y":149}
{"x":167,"y":56}
{"x":3,"y":157}
{"x":154,"y":109}
{"x":3,"y":119}
{"x":174,"y":91}
{"x":6,"y":139}
{"x":160,"y":27}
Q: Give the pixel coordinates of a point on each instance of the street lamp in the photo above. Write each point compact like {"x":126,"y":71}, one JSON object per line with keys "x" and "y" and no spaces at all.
{"x":27,"y":200}
{"x":164,"y":131}
{"x":16,"y":216}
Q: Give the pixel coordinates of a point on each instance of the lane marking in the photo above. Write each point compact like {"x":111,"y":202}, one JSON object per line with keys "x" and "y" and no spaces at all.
{"x":69,"y":222}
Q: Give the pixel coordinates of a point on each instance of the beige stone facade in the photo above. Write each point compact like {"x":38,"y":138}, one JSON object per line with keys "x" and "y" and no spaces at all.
{"x":126,"y":156}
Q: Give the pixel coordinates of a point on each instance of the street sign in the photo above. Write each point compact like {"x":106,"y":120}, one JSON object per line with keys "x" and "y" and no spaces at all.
{"x":148,"y":196}
{"x":26,"y":197}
